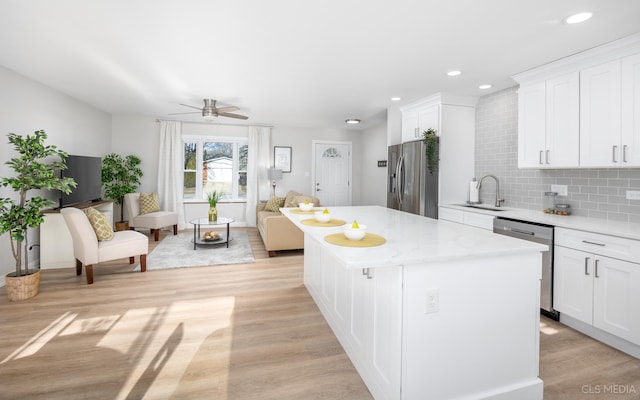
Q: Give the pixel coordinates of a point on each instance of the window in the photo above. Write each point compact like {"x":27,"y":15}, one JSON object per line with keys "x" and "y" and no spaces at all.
{"x":215,"y":163}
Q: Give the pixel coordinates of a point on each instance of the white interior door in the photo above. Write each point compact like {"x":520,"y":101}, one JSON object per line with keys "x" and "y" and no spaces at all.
{"x":332,"y":173}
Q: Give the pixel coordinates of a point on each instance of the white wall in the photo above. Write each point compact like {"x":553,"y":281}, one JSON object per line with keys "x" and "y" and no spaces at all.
{"x":73,"y":126}
{"x":374,"y":178}
{"x":300,"y":140}
{"x":140,"y":136}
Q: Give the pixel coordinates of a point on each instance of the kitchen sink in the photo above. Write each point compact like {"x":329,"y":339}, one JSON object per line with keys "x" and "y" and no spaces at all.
{"x":482,"y":207}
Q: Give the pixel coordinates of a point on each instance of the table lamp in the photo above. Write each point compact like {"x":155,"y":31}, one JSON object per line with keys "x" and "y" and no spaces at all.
{"x":274,"y":174}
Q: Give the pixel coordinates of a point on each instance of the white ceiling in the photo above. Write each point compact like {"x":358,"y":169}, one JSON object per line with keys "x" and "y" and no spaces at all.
{"x":292,"y":62}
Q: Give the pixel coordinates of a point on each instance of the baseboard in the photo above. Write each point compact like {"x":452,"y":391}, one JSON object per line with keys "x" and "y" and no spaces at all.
{"x":601,"y":336}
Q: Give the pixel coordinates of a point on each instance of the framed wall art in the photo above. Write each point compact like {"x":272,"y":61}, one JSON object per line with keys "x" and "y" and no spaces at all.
{"x":282,"y":158}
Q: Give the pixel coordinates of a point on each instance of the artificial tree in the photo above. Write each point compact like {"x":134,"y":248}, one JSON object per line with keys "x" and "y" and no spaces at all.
{"x":120,"y":175}
{"x":31,"y":173}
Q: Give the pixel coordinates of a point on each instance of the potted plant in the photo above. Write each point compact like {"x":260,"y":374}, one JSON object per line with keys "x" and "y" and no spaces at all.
{"x":120,"y":175}
{"x":212,"y":198}
{"x":17,"y":217}
{"x":430,"y":138}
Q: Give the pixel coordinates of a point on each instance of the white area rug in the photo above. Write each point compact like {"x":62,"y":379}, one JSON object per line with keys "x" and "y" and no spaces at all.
{"x":177,"y":252}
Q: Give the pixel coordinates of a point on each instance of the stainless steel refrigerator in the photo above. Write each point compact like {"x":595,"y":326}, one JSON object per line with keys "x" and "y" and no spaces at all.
{"x":411,"y":187}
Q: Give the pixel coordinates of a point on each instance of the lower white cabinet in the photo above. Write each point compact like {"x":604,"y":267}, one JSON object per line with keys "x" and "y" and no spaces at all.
{"x":364,"y":309}
{"x":596,"y":289}
{"x":406,"y":327}
{"x":483,"y":221}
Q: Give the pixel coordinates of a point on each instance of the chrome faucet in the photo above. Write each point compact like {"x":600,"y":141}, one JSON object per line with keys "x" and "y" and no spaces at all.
{"x":499,"y":201}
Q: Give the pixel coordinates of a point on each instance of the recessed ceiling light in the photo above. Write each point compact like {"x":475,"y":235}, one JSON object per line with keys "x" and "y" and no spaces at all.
{"x":485,"y":86}
{"x":577,"y":18}
{"x":396,"y":98}
{"x":352,"y":121}
{"x":454,"y":73}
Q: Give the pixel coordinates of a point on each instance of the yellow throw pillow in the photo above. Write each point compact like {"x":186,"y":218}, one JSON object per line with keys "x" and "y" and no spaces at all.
{"x":274,"y":204}
{"x":290,"y":199}
{"x":149,"y":203}
{"x":100,"y":224}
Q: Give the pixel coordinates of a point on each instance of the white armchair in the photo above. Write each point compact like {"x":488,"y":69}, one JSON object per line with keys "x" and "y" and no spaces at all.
{"x":153,"y":221}
{"x":89,"y":251}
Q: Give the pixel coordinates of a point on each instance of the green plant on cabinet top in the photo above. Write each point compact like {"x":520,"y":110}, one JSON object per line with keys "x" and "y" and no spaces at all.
{"x":430,"y":138}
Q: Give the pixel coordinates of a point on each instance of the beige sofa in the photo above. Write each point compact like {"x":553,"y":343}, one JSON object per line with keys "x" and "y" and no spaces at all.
{"x":277,"y":232}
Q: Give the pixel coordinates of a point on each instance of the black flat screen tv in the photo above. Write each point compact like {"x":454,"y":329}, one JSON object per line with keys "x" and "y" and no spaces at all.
{"x":87,"y":172}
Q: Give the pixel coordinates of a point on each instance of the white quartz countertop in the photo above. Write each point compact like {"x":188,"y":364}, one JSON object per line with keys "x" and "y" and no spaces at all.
{"x":597,"y":225}
{"x":411,"y":239}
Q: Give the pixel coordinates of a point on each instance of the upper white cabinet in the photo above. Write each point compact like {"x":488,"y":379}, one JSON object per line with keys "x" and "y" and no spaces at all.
{"x":583,"y":110}
{"x":600,"y":116}
{"x":630,"y":76}
{"x":453,"y":117}
{"x":418,"y":119}
{"x":548,"y":131}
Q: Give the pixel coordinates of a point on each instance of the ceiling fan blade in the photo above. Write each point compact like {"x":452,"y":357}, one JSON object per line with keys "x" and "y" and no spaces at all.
{"x":187,"y":105}
{"x":226,"y":109}
{"x":198,"y":112}
{"x":237,"y":116}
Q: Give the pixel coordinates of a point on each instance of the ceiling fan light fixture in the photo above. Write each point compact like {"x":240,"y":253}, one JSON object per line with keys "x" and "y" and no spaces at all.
{"x":208,"y":114}
{"x":352,"y":121}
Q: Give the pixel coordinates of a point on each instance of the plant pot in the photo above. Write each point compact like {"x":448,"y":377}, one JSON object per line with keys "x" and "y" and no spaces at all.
{"x":22,"y":287}
{"x":213,"y":214}
{"x":122,"y":226}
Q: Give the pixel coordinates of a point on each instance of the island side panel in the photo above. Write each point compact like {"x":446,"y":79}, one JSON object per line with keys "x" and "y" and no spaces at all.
{"x":363,"y":307}
{"x":483,"y":340}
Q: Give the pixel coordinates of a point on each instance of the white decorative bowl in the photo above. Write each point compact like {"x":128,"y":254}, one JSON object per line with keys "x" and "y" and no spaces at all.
{"x":306,"y":207}
{"x":322,"y":217}
{"x":355,"y":233}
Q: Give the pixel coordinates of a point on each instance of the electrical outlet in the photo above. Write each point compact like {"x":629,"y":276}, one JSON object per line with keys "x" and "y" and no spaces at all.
{"x":633,"y":194}
{"x":433,"y":301}
{"x":560,"y":189}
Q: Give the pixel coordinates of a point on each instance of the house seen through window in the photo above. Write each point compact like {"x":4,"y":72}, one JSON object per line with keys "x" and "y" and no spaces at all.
{"x":215,"y":164}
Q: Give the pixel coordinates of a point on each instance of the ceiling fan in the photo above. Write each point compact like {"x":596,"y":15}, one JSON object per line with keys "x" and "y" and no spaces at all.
{"x":210,"y":111}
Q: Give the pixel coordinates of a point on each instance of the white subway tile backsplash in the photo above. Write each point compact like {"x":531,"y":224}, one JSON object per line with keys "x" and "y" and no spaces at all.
{"x":597,"y":193}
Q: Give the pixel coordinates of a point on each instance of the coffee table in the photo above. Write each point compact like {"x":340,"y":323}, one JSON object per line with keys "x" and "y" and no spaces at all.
{"x":199,"y":222}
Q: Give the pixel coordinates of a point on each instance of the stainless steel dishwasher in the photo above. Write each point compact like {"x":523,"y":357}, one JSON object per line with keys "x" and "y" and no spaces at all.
{"x":538,"y":233}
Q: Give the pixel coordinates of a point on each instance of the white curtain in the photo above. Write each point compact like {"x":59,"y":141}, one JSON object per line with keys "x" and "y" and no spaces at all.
{"x":257,"y":164}
{"x":170,"y":172}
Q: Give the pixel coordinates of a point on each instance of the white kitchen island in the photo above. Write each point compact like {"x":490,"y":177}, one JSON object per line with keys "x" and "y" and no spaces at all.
{"x":440,"y":311}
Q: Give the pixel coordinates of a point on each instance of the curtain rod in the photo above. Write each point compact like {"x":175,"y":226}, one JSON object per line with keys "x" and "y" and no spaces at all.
{"x":212,"y":123}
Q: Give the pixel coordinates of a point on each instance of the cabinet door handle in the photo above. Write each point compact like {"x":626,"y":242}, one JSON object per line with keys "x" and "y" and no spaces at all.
{"x":366,"y":272}
{"x":596,"y":268}
{"x":613,"y":154}
{"x":624,"y":153}
{"x":546,"y":156}
{"x":540,"y":158}
{"x":594,"y":243}
{"x":586,"y":265}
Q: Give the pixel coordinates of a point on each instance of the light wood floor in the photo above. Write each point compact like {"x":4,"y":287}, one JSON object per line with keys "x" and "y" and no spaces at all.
{"x":246,"y":331}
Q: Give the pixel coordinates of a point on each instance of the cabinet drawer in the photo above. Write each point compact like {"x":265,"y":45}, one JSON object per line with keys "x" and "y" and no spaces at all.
{"x":479,"y":220}
{"x":611,"y":246}
{"x":450,"y":214}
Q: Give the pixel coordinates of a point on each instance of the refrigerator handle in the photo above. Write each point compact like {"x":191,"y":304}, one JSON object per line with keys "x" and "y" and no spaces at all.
{"x":396,"y":180}
{"x":400,"y":179}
